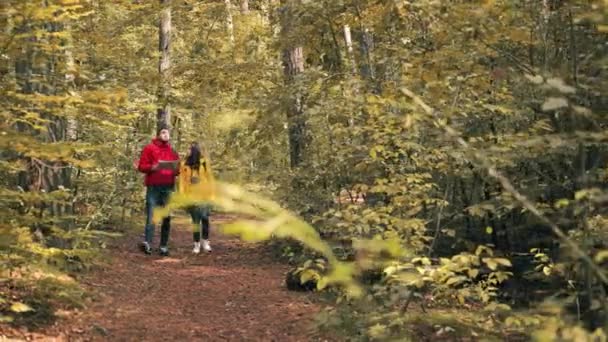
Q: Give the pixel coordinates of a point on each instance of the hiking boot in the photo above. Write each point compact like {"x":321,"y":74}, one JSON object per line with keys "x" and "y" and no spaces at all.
{"x":197,"y":248}
{"x":206,"y":246}
{"x":145,"y":247}
{"x":164,"y":251}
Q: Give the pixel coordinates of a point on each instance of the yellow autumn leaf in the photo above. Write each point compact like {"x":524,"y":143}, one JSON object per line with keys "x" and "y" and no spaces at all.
{"x":503,"y":261}
{"x":601,"y":256}
{"x":518,"y":35}
{"x":473,"y":272}
{"x":553,"y":103}
{"x":6,"y":319}
{"x":20,"y":307}
{"x":461,"y":298}
{"x":490,"y":263}
{"x":377,"y":331}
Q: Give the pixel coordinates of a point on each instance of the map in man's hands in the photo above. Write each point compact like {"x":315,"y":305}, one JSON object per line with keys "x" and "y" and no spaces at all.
{"x":168,"y":164}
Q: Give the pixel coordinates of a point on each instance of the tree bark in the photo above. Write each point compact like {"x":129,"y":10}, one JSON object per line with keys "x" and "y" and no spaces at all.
{"x":164,"y":67}
{"x":367,"y":45}
{"x":71,"y":127}
{"x":546,"y":15}
{"x":349,"y":49}
{"x":229,"y":22}
{"x":244,"y":6}
{"x":337,"y":53}
{"x":293,"y":64}
{"x":71,"y":133}
{"x":573,"y":50}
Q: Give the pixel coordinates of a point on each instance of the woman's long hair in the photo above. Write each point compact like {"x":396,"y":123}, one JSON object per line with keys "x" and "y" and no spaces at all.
{"x":193,"y":160}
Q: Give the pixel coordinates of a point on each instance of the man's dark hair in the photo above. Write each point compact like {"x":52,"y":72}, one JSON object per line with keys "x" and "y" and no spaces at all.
{"x":161,"y":127}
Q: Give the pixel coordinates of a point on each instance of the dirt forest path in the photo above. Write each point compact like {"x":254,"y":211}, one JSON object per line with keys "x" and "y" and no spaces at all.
{"x":235,"y":293}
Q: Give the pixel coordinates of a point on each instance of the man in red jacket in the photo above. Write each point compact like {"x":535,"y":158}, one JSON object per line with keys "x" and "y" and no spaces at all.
{"x":160,"y":183}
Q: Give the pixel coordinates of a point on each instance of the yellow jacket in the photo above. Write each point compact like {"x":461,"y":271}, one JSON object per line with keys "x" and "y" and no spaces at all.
{"x":186,"y":174}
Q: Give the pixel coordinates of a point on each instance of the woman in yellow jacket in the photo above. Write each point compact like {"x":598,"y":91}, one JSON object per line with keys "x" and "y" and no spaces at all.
{"x":194,"y":170}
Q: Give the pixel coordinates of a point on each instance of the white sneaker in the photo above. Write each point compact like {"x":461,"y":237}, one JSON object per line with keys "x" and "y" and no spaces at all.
{"x":206,"y":246}
{"x":197,"y":248}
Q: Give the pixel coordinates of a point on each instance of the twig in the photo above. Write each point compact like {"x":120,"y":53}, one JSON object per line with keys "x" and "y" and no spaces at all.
{"x":215,"y":20}
{"x":93,"y":284}
{"x":100,"y":210}
{"x":438,"y":226}
{"x":506,"y":184}
{"x":54,"y":167}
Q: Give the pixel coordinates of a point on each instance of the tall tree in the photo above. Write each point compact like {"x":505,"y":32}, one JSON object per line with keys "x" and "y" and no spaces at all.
{"x":229,"y":22}
{"x":293,"y":64}
{"x":244,"y":6}
{"x":349,"y":49}
{"x":164,"y":68}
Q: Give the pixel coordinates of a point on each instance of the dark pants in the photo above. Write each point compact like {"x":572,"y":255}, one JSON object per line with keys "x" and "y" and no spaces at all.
{"x":157,"y":196}
{"x":200,"y":218}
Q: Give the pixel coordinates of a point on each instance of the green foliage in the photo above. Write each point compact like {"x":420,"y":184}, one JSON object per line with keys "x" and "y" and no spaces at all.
{"x":503,"y":74}
{"x":388,"y":183}
{"x":269,"y":220}
{"x":62,"y":135}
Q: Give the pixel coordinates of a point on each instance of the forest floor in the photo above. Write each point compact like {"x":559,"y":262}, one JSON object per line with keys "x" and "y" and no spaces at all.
{"x":235,"y":293}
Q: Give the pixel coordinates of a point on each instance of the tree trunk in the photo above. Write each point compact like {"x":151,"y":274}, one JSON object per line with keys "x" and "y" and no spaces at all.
{"x":293,"y":64}
{"x":71,"y":127}
{"x":349,"y":49}
{"x":546,"y":15}
{"x":229,"y":22}
{"x":337,"y":53}
{"x":573,"y":51}
{"x":367,"y":45}
{"x":293,"y":61}
{"x":71,"y":133}
{"x":353,"y":64}
{"x":244,"y":6}
{"x":164,"y":67}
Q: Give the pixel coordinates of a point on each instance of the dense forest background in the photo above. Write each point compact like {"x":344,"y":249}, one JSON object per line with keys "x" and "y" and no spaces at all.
{"x":473,"y":133}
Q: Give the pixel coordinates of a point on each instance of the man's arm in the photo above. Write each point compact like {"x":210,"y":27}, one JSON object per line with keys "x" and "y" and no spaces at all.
{"x":146,"y":161}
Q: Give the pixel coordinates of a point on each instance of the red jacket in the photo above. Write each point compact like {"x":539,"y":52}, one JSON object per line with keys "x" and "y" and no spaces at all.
{"x":151,"y":154}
